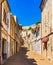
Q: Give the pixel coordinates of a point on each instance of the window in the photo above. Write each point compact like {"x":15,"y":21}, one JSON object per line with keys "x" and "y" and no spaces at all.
{"x":37,"y":33}
{"x":4,"y":16}
{"x":29,"y":36}
{"x":7,"y":22}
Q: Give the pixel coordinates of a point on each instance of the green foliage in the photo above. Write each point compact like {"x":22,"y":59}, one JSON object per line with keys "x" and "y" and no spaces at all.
{"x":38,"y":22}
{"x":30,"y":28}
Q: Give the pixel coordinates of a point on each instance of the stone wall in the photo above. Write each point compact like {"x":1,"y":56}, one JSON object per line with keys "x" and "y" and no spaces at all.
{"x":47,"y":28}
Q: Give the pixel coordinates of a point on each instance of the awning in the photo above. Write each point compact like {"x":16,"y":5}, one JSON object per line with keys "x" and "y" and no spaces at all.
{"x":44,"y":40}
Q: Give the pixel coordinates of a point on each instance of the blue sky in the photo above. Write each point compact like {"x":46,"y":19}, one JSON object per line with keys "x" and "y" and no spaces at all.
{"x":27,"y":11}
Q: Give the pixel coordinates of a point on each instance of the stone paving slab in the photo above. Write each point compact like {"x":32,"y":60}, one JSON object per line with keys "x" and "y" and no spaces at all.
{"x":40,"y":60}
{"x":26,"y":57}
{"x":20,"y":58}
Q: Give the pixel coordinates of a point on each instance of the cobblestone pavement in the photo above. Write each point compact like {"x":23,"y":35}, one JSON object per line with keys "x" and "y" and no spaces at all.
{"x":40,"y":60}
{"x":26,"y":57}
{"x":20,"y":58}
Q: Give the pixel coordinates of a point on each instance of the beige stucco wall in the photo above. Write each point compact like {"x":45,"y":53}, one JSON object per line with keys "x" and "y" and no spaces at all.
{"x":47,"y":28}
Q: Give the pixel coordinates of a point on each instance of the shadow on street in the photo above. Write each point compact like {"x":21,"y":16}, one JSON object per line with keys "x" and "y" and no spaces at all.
{"x":20,"y":58}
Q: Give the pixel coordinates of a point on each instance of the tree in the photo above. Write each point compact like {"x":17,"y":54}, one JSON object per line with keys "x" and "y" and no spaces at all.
{"x":30,"y":28}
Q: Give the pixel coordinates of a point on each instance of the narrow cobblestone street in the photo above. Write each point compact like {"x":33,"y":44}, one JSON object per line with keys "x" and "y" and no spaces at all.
{"x":26,"y":57}
{"x":20,"y":58}
{"x":26,"y":32}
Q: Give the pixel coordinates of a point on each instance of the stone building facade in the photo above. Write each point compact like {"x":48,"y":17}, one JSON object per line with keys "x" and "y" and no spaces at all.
{"x":37,"y":42}
{"x":4,"y":32}
{"x":47,"y":28}
{"x":32,"y":35}
{"x":10,"y":38}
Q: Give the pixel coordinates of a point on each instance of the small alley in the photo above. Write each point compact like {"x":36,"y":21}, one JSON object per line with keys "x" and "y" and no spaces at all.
{"x":26,"y":45}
